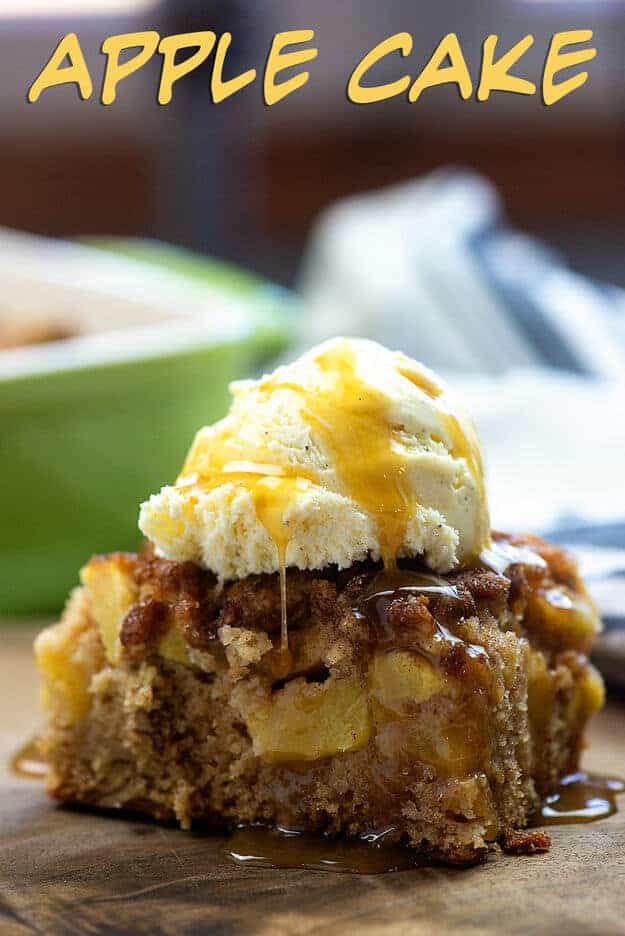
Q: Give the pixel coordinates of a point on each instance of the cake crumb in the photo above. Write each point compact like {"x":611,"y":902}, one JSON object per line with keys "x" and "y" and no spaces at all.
{"x":525,"y":842}
{"x":243,"y":647}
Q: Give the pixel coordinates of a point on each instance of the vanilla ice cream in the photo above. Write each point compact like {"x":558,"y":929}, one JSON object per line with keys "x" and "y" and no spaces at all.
{"x":352,"y":451}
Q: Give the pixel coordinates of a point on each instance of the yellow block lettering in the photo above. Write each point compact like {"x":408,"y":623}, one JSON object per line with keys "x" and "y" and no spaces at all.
{"x":115,"y":71}
{"x":434,"y":74}
{"x":220,"y":89}
{"x":556,"y":61}
{"x":76,"y":72}
{"x":495,"y":74}
{"x":278,"y":60}
{"x":171,"y":72}
{"x":357,"y":94}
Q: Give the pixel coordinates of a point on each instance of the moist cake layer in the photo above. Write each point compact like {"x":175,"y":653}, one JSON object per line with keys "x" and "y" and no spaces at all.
{"x":440,"y":708}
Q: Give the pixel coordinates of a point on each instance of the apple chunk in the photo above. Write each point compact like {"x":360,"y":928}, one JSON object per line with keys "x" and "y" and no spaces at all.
{"x":309,"y":721}
{"x":111,"y":592}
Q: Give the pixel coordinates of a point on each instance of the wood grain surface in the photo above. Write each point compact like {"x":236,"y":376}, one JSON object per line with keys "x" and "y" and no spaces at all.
{"x":68,"y":871}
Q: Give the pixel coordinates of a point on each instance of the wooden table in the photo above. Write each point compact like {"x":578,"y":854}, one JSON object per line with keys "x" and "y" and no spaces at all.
{"x":72,"y":872}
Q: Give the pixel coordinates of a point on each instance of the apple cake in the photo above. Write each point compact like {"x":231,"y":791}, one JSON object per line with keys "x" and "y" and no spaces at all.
{"x":438,"y":709}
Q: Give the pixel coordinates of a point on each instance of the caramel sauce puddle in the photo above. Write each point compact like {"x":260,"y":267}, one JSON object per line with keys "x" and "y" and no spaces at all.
{"x":289,"y":849}
{"x":580,"y":797}
{"x":28,"y":761}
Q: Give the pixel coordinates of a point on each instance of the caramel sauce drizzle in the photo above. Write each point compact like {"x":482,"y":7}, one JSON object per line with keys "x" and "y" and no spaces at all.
{"x":386,"y":585}
{"x":353,"y":420}
{"x":464,"y":440}
{"x":273,"y":490}
{"x":373,"y":604}
{"x":499,"y":555}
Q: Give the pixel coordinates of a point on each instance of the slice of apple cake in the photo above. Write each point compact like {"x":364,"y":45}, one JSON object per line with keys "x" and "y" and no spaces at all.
{"x":440,"y":708}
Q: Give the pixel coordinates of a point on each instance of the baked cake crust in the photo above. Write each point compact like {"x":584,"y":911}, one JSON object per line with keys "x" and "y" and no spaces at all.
{"x":441,"y":710}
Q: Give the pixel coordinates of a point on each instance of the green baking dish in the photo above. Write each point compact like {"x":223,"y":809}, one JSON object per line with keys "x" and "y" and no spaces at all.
{"x":92,"y":425}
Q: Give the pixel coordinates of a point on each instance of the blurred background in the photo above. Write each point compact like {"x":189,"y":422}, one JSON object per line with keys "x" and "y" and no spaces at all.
{"x":485,"y":239}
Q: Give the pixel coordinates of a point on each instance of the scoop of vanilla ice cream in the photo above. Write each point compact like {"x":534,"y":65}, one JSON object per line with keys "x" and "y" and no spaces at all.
{"x":353,"y":451}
